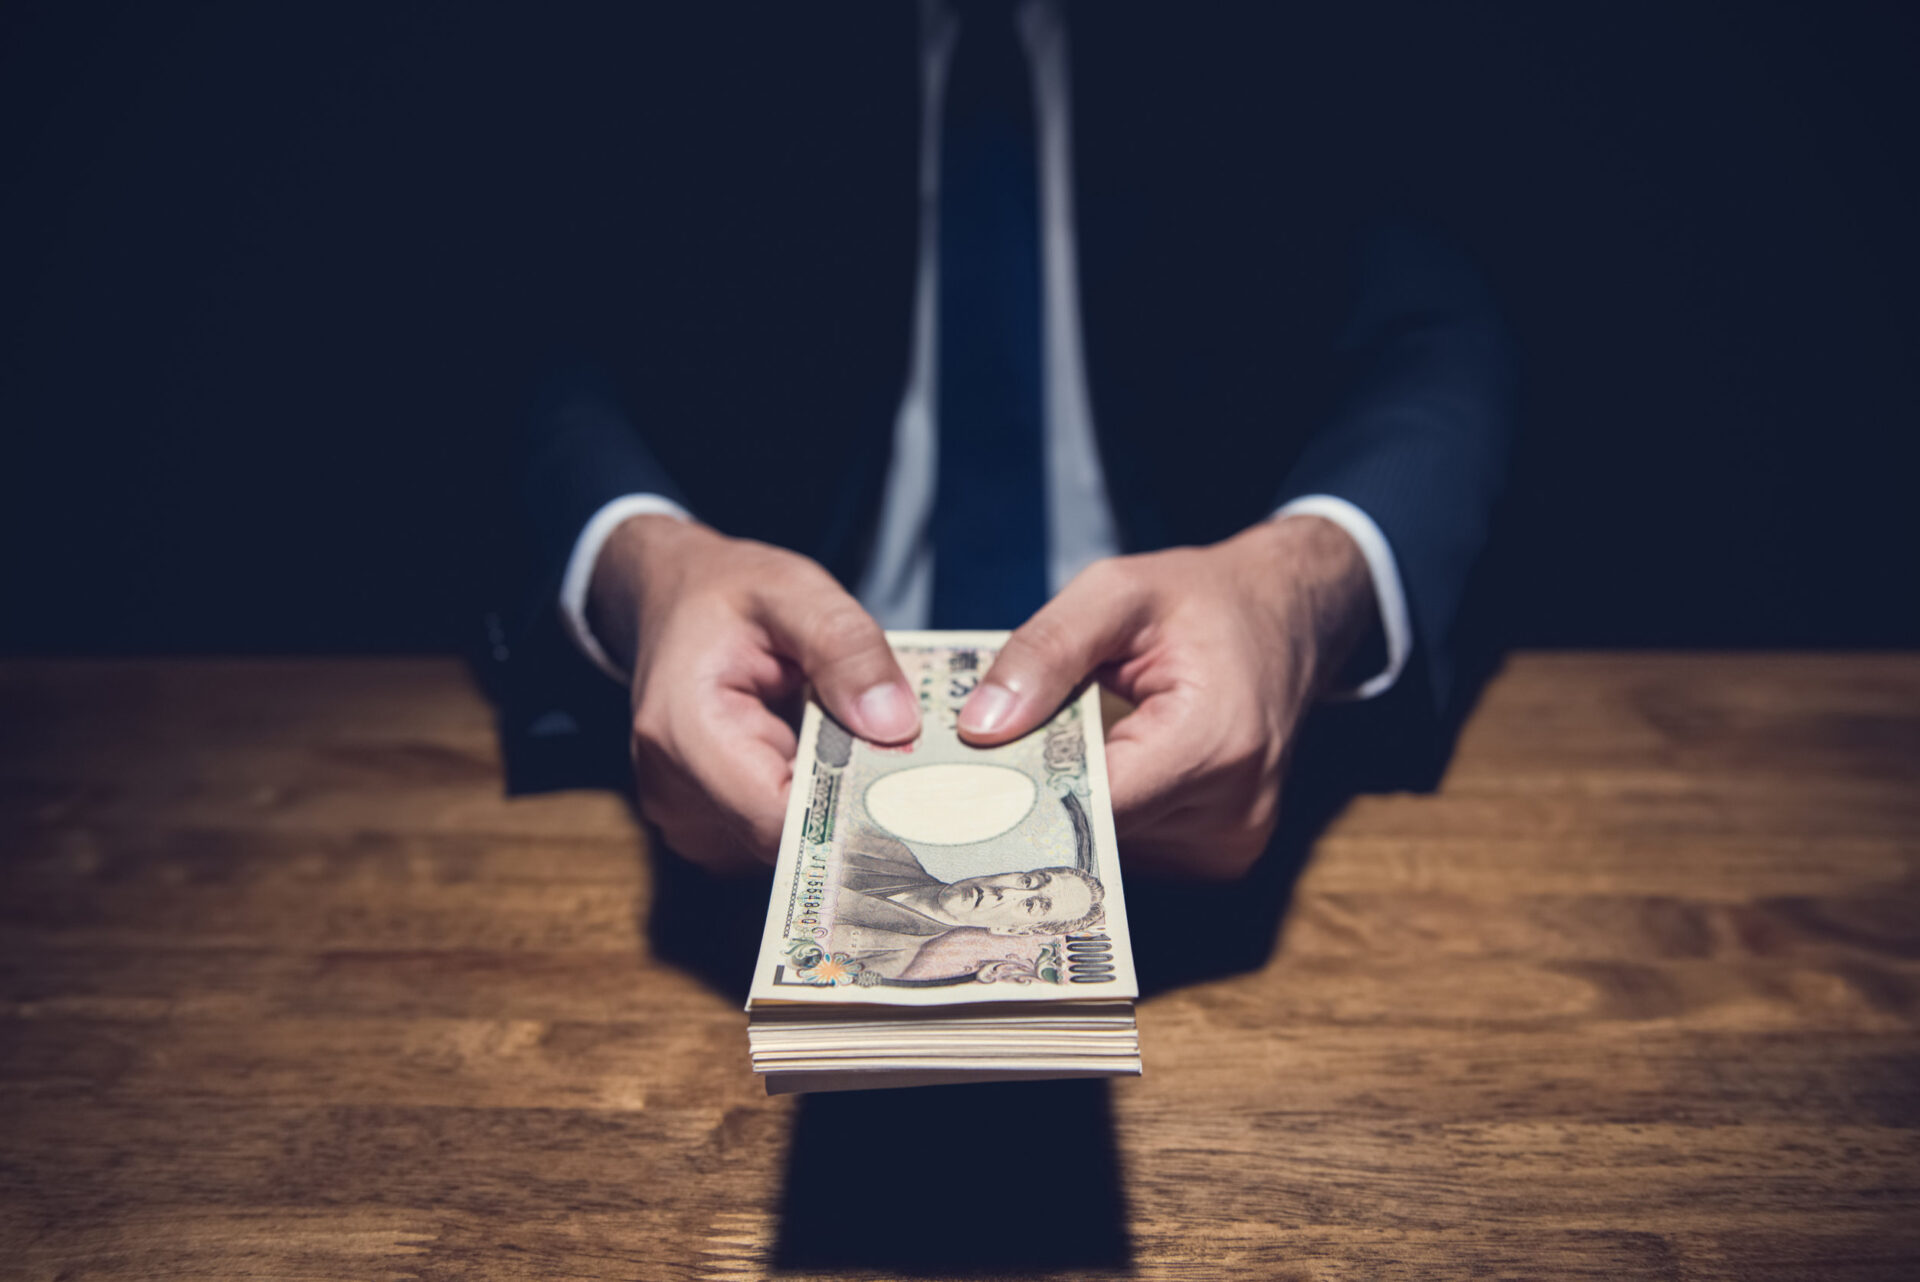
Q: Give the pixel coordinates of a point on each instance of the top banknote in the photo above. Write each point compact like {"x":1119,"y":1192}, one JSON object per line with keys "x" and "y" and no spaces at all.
{"x":937,"y":873}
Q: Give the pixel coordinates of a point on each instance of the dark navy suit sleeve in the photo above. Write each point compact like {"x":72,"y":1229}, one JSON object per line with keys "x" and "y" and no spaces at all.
{"x":579,"y":452}
{"x":563,"y":724}
{"x":1419,"y":439}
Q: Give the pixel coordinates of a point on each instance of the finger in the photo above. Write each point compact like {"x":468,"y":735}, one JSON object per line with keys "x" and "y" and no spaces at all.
{"x":1152,"y":756}
{"x":679,"y":810}
{"x":1189,"y":844}
{"x":1161,"y":848}
{"x":712,"y":775}
{"x":709,"y":845}
{"x":844,"y":654}
{"x":741,"y":759}
{"x":1091,"y":622}
{"x":1187,"y":801}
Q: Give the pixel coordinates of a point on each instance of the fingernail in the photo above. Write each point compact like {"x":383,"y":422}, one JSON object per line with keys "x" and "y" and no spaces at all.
{"x":888,"y":713}
{"x":988,"y":710}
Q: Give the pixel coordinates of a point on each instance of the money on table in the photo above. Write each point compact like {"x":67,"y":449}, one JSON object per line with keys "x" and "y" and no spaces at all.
{"x":944,"y":912}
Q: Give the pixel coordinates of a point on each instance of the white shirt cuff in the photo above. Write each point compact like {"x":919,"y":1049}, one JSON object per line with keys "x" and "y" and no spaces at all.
{"x":586,"y":553}
{"x":1385,"y":571}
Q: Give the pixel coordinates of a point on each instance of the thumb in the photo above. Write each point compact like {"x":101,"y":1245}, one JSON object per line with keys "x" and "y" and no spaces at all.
{"x":1092,"y":621}
{"x":845,"y":655}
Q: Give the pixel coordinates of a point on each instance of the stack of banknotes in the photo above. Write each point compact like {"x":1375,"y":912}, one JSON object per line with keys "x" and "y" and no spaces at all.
{"x":945,"y":913}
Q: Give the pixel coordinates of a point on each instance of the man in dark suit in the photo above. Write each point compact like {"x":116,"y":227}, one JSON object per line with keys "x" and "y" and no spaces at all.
{"x":1183,"y":403}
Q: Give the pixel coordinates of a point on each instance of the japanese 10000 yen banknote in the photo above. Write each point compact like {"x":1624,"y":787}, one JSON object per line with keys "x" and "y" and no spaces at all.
{"x":937,"y":873}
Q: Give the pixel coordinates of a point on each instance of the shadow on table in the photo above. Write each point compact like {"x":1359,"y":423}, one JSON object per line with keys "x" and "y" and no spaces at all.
{"x":707,"y":925}
{"x":1000,"y":1179}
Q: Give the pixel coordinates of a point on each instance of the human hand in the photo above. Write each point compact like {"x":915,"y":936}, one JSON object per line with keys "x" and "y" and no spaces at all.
{"x":1222,"y":649}
{"x":720,"y":633}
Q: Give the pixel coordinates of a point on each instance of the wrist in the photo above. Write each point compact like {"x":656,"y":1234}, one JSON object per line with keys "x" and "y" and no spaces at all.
{"x":638,"y":567}
{"x":1316,"y":579}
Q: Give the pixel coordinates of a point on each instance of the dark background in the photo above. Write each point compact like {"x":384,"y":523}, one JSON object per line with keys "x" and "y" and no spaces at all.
{"x":269,"y":290}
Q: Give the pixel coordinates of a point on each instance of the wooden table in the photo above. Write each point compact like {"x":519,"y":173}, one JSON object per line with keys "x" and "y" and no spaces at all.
{"x":291,"y":990}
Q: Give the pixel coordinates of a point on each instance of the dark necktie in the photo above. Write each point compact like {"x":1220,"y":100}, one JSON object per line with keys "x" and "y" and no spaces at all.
{"x":989,"y":517}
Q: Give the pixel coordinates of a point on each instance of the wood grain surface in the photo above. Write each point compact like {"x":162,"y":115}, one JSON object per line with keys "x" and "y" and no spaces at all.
{"x":289,"y":990}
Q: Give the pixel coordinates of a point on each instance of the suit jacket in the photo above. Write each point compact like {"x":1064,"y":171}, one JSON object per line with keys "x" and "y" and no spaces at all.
{"x":1262,"y":316}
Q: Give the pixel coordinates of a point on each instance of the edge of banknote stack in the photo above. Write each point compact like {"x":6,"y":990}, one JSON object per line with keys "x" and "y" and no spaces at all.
{"x":942,"y":913}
